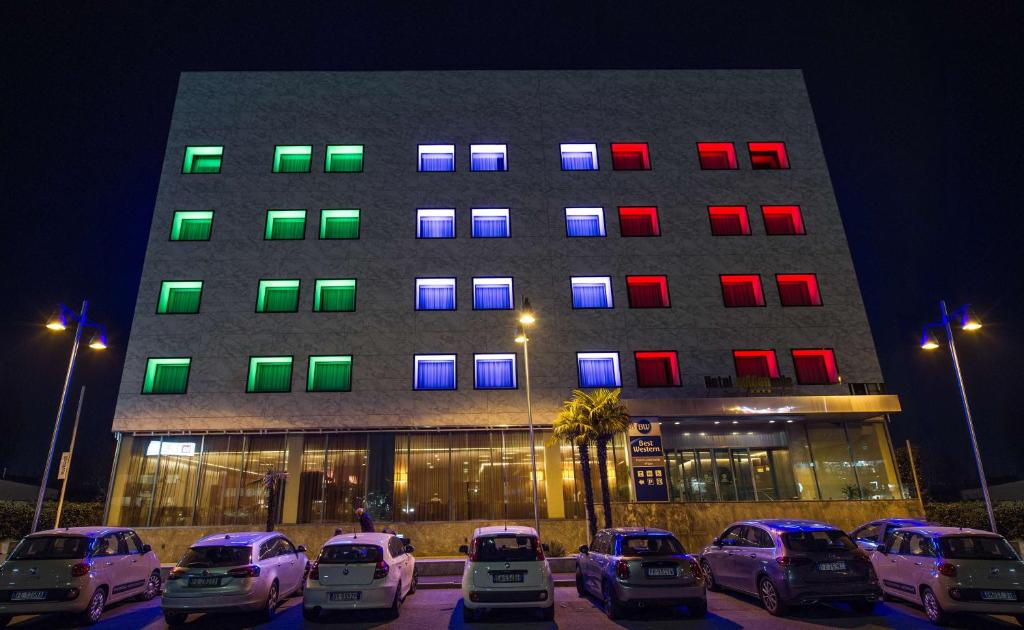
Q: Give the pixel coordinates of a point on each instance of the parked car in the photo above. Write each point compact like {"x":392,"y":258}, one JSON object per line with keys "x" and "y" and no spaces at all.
{"x":360,"y":570}
{"x":506,"y":568}
{"x":632,"y":567}
{"x":950,"y":570}
{"x":791,"y":562}
{"x":869,"y":535}
{"x":234,"y":572}
{"x":77,"y":570}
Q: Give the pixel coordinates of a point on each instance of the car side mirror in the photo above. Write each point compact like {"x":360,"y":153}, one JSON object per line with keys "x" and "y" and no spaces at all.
{"x":882,"y":549}
{"x":409,"y":549}
{"x":301,"y":549}
{"x":545,"y":547}
{"x":584,"y":549}
{"x":147,"y":548}
{"x":464,"y":549}
{"x":716,"y":542}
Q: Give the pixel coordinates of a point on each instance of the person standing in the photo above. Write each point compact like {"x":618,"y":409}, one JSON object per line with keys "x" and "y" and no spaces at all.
{"x":365,"y":520}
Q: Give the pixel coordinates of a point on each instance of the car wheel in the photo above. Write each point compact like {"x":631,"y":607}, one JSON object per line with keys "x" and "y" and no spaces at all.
{"x":152,"y":587}
{"x":698,"y":609}
{"x":94,"y":609}
{"x":933,"y":609}
{"x":547,"y":614}
{"x":4,"y":620}
{"x":770,"y":599}
{"x":864,"y":607}
{"x":709,"y":577}
{"x":581,"y":589}
{"x":310,"y":614}
{"x":468,"y":614}
{"x":175,"y":619}
{"x":396,"y":606}
{"x":612,"y":607}
{"x":270,"y":607}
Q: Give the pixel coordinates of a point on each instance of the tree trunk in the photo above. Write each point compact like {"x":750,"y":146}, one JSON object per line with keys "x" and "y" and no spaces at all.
{"x":588,"y":489}
{"x":602,"y":467}
{"x":271,"y":504}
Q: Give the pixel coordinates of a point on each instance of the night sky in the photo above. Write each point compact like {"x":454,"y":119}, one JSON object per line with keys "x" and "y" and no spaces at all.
{"x":920,"y":111}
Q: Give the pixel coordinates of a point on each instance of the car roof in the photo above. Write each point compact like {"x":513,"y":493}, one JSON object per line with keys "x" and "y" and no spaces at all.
{"x":234,"y":539}
{"x":373,"y":538}
{"x":935,"y":530}
{"x":515,"y":530}
{"x":789,"y":524}
{"x":637,"y":530}
{"x":91,"y":532}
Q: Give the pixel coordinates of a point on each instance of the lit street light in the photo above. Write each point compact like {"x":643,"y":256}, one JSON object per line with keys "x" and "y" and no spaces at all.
{"x":526,"y":318}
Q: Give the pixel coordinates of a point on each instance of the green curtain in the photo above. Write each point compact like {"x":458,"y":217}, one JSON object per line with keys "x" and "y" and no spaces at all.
{"x":170,"y":379}
{"x":287,"y":228}
{"x":206,"y":164}
{"x":273,"y":377}
{"x":346,"y":162}
{"x":280,"y":299}
{"x":332,"y":377}
{"x":334,"y":299}
{"x":194,"y":230}
{"x":183,"y":300}
{"x":341,"y":227}
{"x":293,"y":163}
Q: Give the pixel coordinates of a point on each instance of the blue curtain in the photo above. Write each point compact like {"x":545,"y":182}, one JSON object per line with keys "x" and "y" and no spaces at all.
{"x":437,"y":227}
{"x":437,"y":162}
{"x":433,"y":298}
{"x":573,"y":161}
{"x":492,"y":296}
{"x":589,"y":296}
{"x":577,"y":225}
{"x":490,"y":227}
{"x":488,"y":162}
{"x":435,"y":375}
{"x":598,"y":373}
{"x":494,"y":374}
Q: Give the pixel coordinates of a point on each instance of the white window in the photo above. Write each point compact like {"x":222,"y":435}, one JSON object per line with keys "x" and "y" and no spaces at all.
{"x":434,"y":371}
{"x":437,"y":157}
{"x":584,"y":222}
{"x":435,"y":294}
{"x":591,"y":292}
{"x":599,"y":369}
{"x":579,"y":157}
{"x":490,"y":222}
{"x":494,"y":371}
{"x":488,"y":157}
{"x":492,"y":293}
{"x":437,"y":223}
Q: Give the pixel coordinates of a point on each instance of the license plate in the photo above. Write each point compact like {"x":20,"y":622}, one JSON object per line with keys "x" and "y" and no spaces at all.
{"x":346,"y":596}
{"x":832,"y":566}
{"x":999,"y":596}
{"x":24,"y":596}
{"x":661,"y":572}
{"x":506,"y":578}
{"x":204,"y":581}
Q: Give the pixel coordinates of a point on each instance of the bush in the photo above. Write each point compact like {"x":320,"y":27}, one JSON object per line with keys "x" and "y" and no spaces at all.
{"x":1009,"y":516}
{"x":16,"y":516}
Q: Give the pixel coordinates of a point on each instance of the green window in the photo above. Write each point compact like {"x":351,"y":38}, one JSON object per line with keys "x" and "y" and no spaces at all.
{"x":191,"y":225}
{"x":330,"y":374}
{"x":292,"y":159}
{"x":344,"y":158}
{"x":278,"y":296}
{"x":202,"y":160}
{"x":180,"y":297}
{"x":166,"y":376}
{"x":339,"y":224}
{"x":270,"y":374}
{"x":285,"y":225}
{"x":333,"y":296}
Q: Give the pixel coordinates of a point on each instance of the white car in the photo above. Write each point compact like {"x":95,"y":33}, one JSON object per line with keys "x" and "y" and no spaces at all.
{"x":76,"y":570}
{"x":234,"y":572}
{"x":506,"y":568}
{"x":358,"y":571}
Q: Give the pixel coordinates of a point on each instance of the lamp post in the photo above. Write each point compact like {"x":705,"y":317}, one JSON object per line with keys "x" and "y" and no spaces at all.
{"x":526,"y":318}
{"x":968,"y":321}
{"x":59,"y":323}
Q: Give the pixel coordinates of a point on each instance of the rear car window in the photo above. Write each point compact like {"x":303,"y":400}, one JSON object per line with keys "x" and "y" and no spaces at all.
{"x":650,"y":546}
{"x":506,"y":548}
{"x":976,"y":548}
{"x":817,"y":540}
{"x":350,"y":554}
{"x":216,"y":556}
{"x":51,"y":548}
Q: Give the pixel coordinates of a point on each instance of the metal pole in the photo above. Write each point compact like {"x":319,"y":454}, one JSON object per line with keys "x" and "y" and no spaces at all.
{"x":71,"y":454}
{"x":913,"y":471}
{"x":533,"y":448}
{"x":967,"y":417}
{"x":60,"y":414}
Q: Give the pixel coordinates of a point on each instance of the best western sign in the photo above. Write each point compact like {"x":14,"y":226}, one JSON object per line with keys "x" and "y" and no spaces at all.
{"x":647,"y":462}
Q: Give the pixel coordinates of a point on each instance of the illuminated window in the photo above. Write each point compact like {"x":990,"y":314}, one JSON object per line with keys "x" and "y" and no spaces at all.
{"x":717,"y":156}
{"x":591,"y":292}
{"x":436,"y":157}
{"x":285,"y":225}
{"x":202,"y":160}
{"x":269,"y":374}
{"x":639,"y":221}
{"x":631,"y":157}
{"x":180,"y":296}
{"x":166,"y":375}
{"x":647,"y":291}
{"x":768,"y":155}
{"x":490,"y":223}
{"x":584,"y":222}
{"x":292,"y":159}
{"x":729,"y":220}
{"x":192,"y":225}
{"x":488,"y":157}
{"x":329,"y":374}
{"x":434,"y":371}
{"x":742,"y":291}
{"x":599,"y":369}
{"x":335,"y":296}
{"x":439,"y":223}
{"x":657,"y":369}
{"x":783,"y":220}
{"x":815,"y":367}
{"x":756,"y":363}
{"x":494,"y":371}
{"x":492,"y":293}
{"x":344,"y":158}
{"x":798,"y":289}
{"x":339,"y":224}
{"x":278,"y":296}
{"x":435,"y":294}
{"x":579,"y":157}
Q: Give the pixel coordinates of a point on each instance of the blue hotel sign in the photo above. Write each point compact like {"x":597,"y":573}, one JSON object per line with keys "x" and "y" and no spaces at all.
{"x":647,"y":462}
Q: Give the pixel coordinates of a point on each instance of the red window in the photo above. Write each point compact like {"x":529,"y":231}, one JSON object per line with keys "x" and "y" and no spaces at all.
{"x":630,"y":157}
{"x":768,"y":155}
{"x":798,"y":289}
{"x":647,"y":291}
{"x":815,"y":367}
{"x":742,"y":291}
{"x":716,"y":156}
{"x":756,"y":363}
{"x":657,"y":369}
{"x":783,"y":220}
{"x":729,"y":220}
{"x":639,"y":222}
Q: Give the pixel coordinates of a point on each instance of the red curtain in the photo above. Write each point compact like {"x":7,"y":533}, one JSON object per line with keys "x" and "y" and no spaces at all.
{"x":811,"y":370}
{"x":647,"y":295}
{"x":753,"y":366}
{"x":654,"y":373}
{"x":636,"y":225}
{"x":795,"y":294}
{"x":776,"y":224}
{"x":726,"y":225}
{"x":739,"y":294}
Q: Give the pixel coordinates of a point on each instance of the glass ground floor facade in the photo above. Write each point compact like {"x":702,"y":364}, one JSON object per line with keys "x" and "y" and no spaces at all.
{"x":215,"y":479}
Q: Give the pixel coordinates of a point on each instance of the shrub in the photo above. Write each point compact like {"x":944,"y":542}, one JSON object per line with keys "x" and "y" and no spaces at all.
{"x":16,"y":516}
{"x":1009,"y":516}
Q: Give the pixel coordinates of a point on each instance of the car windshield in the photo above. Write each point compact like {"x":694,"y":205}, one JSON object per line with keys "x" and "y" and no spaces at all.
{"x":651,"y":546}
{"x":216,"y":556}
{"x":350,"y":554}
{"x":817,"y":540}
{"x":976,"y":548}
{"x":51,"y":548}
{"x":506,"y":548}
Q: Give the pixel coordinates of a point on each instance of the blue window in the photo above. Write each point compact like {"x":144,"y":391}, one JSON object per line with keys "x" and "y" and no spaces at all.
{"x":599,"y":369}
{"x":435,"y":223}
{"x":592,"y":292}
{"x":437,"y":157}
{"x":492,"y":293}
{"x":584,"y":222}
{"x":495,"y":371}
{"x":488,"y":157}
{"x":579,"y":157}
{"x":435,"y":294}
{"x":434,"y":371}
{"x":490,"y":222}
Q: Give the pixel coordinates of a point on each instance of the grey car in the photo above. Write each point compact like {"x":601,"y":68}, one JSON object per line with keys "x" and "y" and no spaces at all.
{"x":869,"y":535}
{"x":791,"y":562}
{"x":631,"y":567}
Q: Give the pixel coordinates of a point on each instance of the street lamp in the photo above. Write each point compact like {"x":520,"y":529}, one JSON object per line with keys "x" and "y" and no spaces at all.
{"x":967,"y":320}
{"x":59,"y":323}
{"x":526,"y":318}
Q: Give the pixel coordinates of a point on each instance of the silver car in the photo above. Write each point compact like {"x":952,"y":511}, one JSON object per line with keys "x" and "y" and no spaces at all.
{"x":76,"y":570}
{"x":235,"y":572}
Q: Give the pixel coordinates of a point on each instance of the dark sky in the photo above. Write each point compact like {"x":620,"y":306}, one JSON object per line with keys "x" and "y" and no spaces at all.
{"x":920,"y":110}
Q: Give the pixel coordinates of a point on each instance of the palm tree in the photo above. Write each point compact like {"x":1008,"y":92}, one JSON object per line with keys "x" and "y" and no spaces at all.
{"x":572,"y":426}
{"x":609,"y":418}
